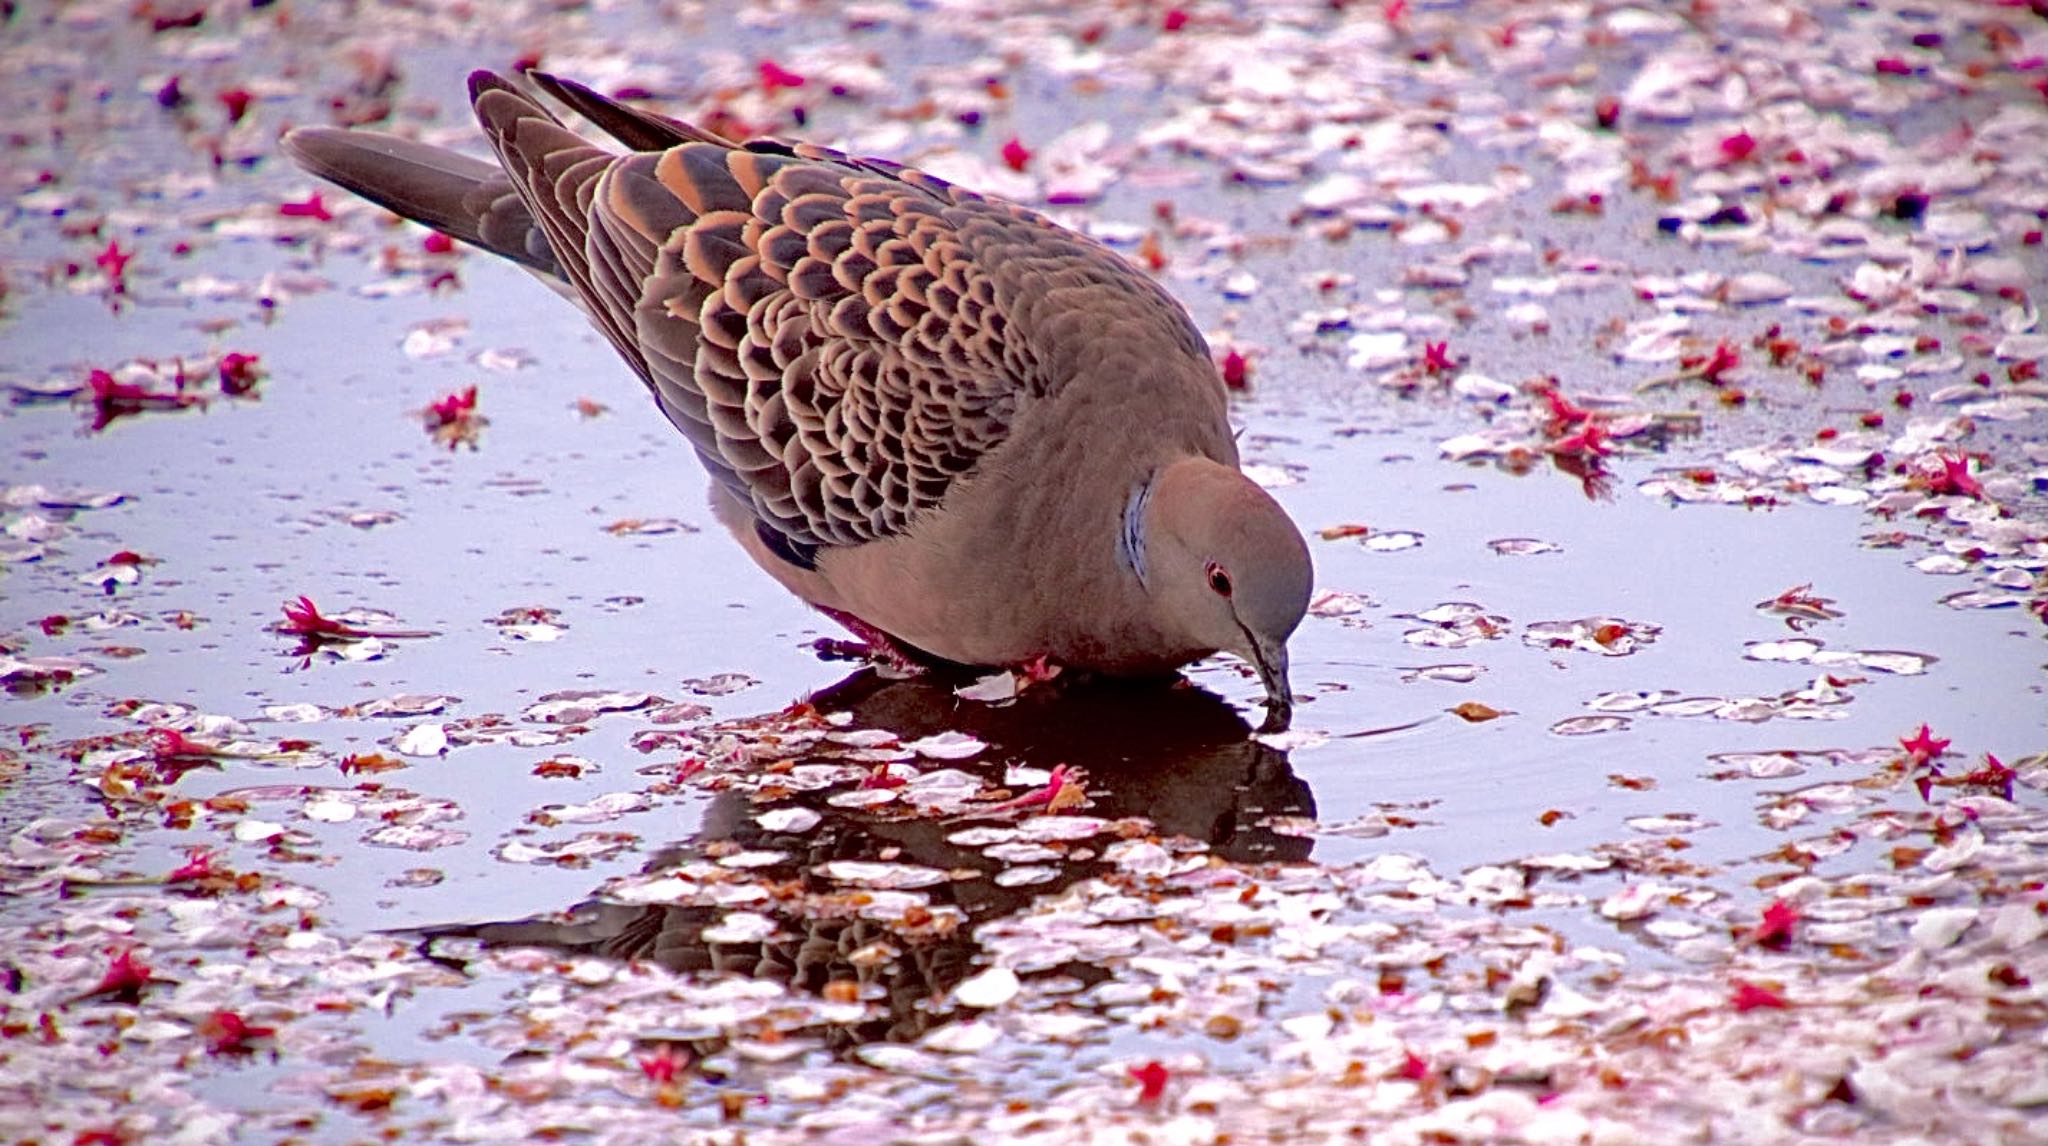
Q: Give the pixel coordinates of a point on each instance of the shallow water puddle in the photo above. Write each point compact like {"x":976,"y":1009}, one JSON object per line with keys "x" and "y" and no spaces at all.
{"x":1661,"y":397}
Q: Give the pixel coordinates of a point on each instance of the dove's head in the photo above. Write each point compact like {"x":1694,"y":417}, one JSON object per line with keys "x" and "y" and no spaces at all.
{"x":1227,"y":569}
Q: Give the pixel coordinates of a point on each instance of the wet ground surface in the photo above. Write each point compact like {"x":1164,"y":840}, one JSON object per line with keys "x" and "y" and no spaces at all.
{"x":1669,"y":754}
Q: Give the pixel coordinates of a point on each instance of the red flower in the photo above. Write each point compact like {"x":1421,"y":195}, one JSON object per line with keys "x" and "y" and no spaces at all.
{"x":1436,"y":358}
{"x":239,"y":372}
{"x":1738,"y":147}
{"x":664,"y":1064}
{"x":451,"y":408}
{"x":1055,"y":786}
{"x":124,"y":980}
{"x":311,"y":207}
{"x":881,"y":777}
{"x":1151,"y":1079}
{"x":198,"y":865}
{"x":437,"y":244}
{"x":1775,"y":931}
{"x":1800,"y":606}
{"x":1063,"y":789}
{"x":112,"y":398}
{"x":169,"y":744}
{"x":304,"y":618}
{"x":1954,"y":478}
{"x":1592,"y":441}
{"x":1923,"y":746}
{"x":774,"y":75}
{"x":1176,"y":19}
{"x":115,"y":262}
{"x":1750,"y":997}
{"x":226,"y":1032}
{"x":1237,"y":370}
{"x":1893,"y":66}
{"x":1607,"y":112}
{"x":236,"y":101}
{"x":1710,"y":367}
{"x":1413,"y":1067}
{"x":453,"y":420}
{"x":1563,"y":411}
{"x":1994,"y":774}
{"x":1015,"y":154}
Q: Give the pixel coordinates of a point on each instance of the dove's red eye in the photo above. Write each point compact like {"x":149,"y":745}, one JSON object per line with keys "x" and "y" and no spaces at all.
{"x":1219,"y":579}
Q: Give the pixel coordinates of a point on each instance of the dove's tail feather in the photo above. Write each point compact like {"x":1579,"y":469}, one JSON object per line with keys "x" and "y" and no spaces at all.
{"x":466,"y":198}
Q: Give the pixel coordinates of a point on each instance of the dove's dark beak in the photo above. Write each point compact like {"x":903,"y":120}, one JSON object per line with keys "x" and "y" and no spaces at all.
{"x":1272,"y":666}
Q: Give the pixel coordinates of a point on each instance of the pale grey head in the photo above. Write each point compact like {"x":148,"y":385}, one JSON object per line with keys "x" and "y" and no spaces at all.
{"x":1227,"y":570}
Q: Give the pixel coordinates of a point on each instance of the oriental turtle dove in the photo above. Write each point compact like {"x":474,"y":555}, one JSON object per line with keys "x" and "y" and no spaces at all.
{"x":946,"y":421}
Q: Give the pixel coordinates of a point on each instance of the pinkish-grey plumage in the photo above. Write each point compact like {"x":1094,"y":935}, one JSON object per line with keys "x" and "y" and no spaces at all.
{"x":984,"y":435}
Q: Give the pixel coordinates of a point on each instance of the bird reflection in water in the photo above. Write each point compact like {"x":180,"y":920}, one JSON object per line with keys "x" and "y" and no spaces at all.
{"x":1177,"y":757}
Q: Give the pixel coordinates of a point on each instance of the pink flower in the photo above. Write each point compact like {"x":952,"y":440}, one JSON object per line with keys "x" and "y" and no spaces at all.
{"x":1955,"y":478}
{"x":239,"y":372}
{"x":1994,"y":774}
{"x":1151,"y":1079}
{"x":311,"y":207}
{"x":1436,"y":358}
{"x":115,"y":262}
{"x":125,"y":978}
{"x":450,"y":408}
{"x":1591,"y":441}
{"x":304,"y":618}
{"x":1710,"y":367}
{"x":236,"y":101}
{"x":226,"y":1032}
{"x":1776,"y":929}
{"x":1563,"y":411}
{"x":774,"y":75}
{"x":664,"y":1064}
{"x":1923,"y":746}
{"x":113,"y":398}
{"x":198,"y":865}
{"x":1749,"y":997}
{"x":170,"y":744}
{"x":1237,"y":370}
